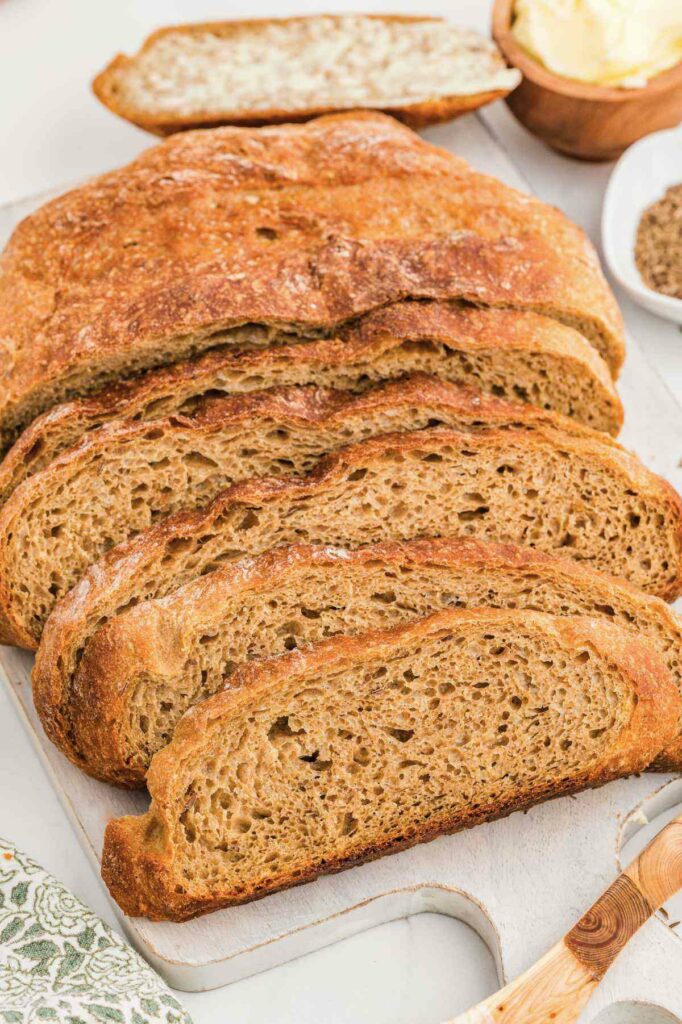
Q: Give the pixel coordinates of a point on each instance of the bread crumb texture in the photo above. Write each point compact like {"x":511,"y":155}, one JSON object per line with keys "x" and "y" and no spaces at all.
{"x":340,"y":63}
{"x":512,"y":355}
{"x":357,"y":748}
{"x":592,"y":501}
{"x":125,"y":477}
{"x":143,"y":670}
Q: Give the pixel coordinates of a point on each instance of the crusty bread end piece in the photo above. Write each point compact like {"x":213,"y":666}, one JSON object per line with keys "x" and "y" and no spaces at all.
{"x":142,"y":670}
{"x":522,"y":357}
{"x":265,"y":71}
{"x":333,"y":219}
{"x":363,"y":746}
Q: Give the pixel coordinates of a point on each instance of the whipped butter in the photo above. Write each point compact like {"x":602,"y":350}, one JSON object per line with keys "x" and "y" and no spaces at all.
{"x":605,"y":42}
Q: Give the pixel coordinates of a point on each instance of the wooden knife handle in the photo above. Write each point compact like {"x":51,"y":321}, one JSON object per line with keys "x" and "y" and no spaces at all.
{"x":556,"y":989}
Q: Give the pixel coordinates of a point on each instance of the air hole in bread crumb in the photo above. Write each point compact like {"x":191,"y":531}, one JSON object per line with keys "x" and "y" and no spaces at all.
{"x":241,"y":825}
{"x":199,"y":459}
{"x":280,"y":729}
{"x":249,"y":520}
{"x":348,"y":824}
{"x":473,"y":513}
{"x":35,"y":449}
{"x":177,"y":546}
{"x":402,"y":735}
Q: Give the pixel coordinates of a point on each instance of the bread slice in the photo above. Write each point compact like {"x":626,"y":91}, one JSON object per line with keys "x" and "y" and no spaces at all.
{"x":519,"y":356}
{"x":123,"y":477}
{"x":357,"y":747}
{"x":296,"y":228}
{"x":265,"y":71}
{"x":544,"y":488}
{"x":142,"y":670}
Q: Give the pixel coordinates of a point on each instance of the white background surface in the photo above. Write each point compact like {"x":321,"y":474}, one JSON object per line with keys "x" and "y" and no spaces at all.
{"x":54,"y":132}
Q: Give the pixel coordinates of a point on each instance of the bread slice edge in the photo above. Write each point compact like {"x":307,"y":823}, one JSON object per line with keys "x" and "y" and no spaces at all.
{"x":137,"y":861}
{"x":416,"y":114}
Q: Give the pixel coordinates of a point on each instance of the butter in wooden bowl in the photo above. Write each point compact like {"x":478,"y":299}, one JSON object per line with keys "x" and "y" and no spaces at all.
{"x":604,"y":42}
{"x":597,"y":74}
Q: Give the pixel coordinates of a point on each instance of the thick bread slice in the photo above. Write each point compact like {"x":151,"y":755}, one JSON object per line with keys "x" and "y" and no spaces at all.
{"x":514,"y":355}
{"x":265,"y":71}
{"x":142,"y":670}
{"x":362,"y":746}
{"x":123,"y":477}
{"x":546,"y":489}
{"x":298,"y":227}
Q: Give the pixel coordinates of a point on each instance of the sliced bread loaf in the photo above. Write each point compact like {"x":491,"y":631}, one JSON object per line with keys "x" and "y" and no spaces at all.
{"x":546,"y":489}
{"x":300,"y":228}
{"x":358,"y":747}
{"x":264,"y":71}
{"x":123,"y":477}
{"x":142,"y":670}
{"x":514,"y":355}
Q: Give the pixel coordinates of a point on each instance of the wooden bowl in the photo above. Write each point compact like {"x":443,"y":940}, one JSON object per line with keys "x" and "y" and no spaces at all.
{"x":590,"y":122}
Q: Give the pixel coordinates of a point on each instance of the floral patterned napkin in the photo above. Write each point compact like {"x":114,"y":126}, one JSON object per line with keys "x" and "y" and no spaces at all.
{"x":60,"y":963}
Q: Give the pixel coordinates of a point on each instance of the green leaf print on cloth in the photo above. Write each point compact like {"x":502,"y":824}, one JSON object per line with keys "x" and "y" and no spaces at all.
{"x":59,"y":962}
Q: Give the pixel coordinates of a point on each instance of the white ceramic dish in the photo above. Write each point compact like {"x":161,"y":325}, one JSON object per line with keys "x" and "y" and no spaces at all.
{"x":640,"y":177}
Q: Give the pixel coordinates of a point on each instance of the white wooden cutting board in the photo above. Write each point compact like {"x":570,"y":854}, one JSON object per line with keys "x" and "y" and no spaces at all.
{"x":520,"y":883}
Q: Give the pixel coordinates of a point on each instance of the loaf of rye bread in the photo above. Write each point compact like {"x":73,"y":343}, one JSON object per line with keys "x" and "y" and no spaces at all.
{"x":297,"y":228}
{"x":141,"y":671}
{"x":361,"y":746}
{"x":123,"y":477}
{"x":265,"y":71}
{"x":582,"y":497}
{"x":522,"y":357}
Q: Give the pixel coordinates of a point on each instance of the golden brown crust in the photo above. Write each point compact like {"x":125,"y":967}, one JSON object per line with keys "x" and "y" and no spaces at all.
{"x":144,"y":642}
{"x":293,"y":409}
{"x":139,"y":877}
{"x":116,"y":578}
{"x":457,"y":328}
{"x":137,"y":861}
{"x":308,"y":226}
{"x":416,"y":115}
